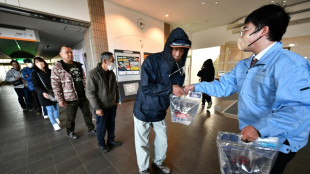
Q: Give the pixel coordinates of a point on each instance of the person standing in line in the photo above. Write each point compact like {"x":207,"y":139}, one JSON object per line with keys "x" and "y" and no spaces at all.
{"x":162,"y":74}
{"x":15,"y":76}
{"x":68,"y":83}
{"x":103,"y":94}
{"x":41,"y":80}
{"x":273,"y":85}
{"x":27,"y":75}
{"x":206,"y":74}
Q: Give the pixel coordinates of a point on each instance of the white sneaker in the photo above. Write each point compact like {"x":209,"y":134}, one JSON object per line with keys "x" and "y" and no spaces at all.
{"x":56,"y":127}
{"x":45,"y":116}
{"x":57,"y":120}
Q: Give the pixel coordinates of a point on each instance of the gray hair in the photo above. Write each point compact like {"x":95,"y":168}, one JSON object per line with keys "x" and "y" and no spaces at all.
{"x":106,"y":56}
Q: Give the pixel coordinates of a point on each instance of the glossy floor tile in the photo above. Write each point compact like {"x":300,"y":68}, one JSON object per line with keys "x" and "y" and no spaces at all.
{"x":28,"y":143}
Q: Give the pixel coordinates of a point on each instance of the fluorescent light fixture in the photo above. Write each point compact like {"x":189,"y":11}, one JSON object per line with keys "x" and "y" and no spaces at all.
{"x":167,"y":15}
{"x":17,"y":45}
{"x":291,"y":45}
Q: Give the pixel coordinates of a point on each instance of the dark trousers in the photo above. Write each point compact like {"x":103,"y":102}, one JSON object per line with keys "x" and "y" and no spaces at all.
{"x":281,"y":162}
{"x":23,"y":95}
{"x":106,"y":123}
{"x":206,"y":97}
{"x":71,"y":109}
{"x":28,"y":98}
{"x":35,"y":100}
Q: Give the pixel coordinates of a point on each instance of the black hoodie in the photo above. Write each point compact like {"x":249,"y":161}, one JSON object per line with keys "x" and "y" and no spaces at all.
{"x":157,"y":78}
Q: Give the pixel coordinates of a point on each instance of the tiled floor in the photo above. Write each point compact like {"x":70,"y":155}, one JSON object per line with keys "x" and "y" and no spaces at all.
{"x":28,"y":143}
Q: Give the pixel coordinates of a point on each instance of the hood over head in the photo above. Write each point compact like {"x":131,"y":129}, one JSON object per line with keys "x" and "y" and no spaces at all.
{"x":177,"y":38}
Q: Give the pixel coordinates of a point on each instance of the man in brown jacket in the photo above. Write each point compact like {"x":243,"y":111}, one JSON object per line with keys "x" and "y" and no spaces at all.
{"x":103,"y":94}
{"x":68,"y":83}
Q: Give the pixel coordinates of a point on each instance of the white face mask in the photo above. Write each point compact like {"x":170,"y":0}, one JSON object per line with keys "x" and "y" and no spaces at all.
{"x":29,"y":65}
{"x":111,"y":66}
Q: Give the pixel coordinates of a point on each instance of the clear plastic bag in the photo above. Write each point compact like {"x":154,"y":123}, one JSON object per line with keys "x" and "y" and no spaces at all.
{"x":184,"y":109}
{"x":236,"y":156}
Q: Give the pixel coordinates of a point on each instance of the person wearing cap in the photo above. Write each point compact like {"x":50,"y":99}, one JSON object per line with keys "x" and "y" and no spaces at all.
{"x":161,"y":75}
{"x":27,"y":75}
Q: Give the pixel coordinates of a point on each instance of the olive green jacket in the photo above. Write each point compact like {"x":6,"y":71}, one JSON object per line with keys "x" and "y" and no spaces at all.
{"x":101,"y":93}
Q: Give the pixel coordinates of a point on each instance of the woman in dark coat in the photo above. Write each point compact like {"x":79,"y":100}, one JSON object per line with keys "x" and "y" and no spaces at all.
{"x":41,"y":80}
{"x":206,"y":74}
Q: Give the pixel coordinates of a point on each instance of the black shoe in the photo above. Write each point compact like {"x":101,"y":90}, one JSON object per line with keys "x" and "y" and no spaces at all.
{"x":114,"y":143}
{"x":163,"y":168}
{"x":144,"y":172}
{"x":104,"y":148}
{"x":72,"y":135}
{"x":92,"y":132}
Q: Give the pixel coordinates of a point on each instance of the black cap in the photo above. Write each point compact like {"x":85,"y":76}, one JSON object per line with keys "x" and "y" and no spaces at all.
{"x":27,"y":61}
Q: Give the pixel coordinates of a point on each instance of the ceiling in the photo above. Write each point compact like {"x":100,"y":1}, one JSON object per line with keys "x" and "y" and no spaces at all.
{"x":191,"y":15}
{"x":52,"y":36}
{"x":197,"y":15}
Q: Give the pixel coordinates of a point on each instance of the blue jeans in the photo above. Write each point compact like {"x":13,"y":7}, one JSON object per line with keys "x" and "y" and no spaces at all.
{"x":53,"y":112}
{"x":106,"y":123}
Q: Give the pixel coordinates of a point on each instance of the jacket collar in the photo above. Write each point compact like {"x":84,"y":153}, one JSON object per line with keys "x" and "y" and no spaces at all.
{"x":265,"y":59}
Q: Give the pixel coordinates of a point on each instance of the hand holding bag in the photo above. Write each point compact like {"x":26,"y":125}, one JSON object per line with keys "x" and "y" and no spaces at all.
{"x":49,"y":92}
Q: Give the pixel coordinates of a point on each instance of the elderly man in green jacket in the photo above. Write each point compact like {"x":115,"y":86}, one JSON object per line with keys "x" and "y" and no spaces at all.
{"x":102,"y":92}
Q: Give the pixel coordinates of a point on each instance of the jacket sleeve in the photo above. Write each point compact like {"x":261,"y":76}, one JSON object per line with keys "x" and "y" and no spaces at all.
{"x":9,"y":76}
{"x":150,"y":84}
{"x":291,"y":105}
{"x":91,"y":91}
{"x":117,"y":93}
{"x":226,"y":86}
{"x":26,"y":75}
{"x":37,"y":84}
{"x":56,"y":85}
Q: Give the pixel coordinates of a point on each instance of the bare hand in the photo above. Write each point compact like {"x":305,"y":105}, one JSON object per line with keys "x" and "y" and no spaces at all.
{"x":178,"y":91}
{"x":45,"y":95}
{"x":62,"y":104}
{"x":118,"y":105}
{"x":99,"y":112}
{"x":249,"y":133}
{"x":189,"y":88}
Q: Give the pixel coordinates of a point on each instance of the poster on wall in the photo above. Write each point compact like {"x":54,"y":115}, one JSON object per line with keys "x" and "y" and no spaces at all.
{"x":128,"y":62}
{"x":78,"y":57}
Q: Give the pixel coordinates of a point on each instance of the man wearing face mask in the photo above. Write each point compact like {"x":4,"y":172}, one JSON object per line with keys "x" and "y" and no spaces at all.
{"x":273,"y":85}
{"x":161,"y":75}
{"x":103,"y":94}
{"x":27,"y":75}
{"x":68,"y":83}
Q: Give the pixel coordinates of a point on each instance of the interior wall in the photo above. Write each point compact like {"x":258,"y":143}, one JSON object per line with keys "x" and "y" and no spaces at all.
{"x":124,"y":33}
{"x":75,"y":9}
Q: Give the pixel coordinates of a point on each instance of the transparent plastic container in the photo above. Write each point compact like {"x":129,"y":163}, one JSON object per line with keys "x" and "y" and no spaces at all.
{"x":184,"y":109}
{"x":236,"y":156}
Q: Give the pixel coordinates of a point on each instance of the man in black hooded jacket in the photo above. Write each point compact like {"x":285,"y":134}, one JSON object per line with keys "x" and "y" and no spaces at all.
{"x":161,"y":75}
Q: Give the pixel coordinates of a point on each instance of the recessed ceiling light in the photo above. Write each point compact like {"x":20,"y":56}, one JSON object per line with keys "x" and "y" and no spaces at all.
{"x":284,"y":1}
{"x":204,"y":2}
{"x":291,"y":45}
{"x":216,"y":2}
{"x":167,"y":15}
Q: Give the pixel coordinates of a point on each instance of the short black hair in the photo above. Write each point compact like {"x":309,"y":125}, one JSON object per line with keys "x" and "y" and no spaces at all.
{"x":40,"y":59}
{"x":274,"y":16}
{"x":105,"y":55}
{"x":12,"y":61}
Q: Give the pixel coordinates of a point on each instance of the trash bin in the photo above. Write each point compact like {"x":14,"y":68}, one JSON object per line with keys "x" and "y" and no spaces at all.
{"x":184,"y":109}
{"x":236,"y":156}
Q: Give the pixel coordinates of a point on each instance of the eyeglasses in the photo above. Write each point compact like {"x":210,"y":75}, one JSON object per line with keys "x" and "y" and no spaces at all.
{"x":242,"y":31}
